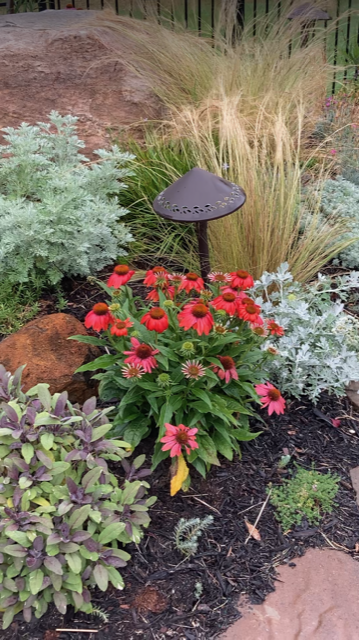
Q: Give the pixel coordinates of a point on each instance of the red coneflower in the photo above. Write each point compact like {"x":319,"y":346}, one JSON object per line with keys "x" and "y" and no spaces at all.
{"x":271,"y":398}
{"x":227,"y":301}
{"x":196,"y":315}
{"x":142,"y":355}
{"x":218,"y":276}
{"x":274,"y":328}
{"x":119,"y":328}
{"x":229,"y":371}
{"x":241,"y":279}
{"x":191,"y":281}
{"x":132,"y":371}
{"x":155,"y":320}
{"x":166,"y":289}
{"x":178,"y":437}
{"x":151,"y":275}
{"x":248,"y":310}
{"x":121,"y":275}
{"x":193,"y":369}
{"x":99,"y":317}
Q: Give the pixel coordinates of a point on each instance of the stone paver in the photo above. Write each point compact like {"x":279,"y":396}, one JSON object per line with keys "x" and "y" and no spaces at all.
{"x":316,"y":600}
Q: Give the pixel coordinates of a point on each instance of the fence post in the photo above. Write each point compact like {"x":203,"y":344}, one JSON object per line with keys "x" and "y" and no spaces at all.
{"x":240,"y":13}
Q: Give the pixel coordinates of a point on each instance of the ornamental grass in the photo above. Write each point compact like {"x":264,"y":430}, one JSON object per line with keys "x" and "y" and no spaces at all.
{"x":243,"y":111}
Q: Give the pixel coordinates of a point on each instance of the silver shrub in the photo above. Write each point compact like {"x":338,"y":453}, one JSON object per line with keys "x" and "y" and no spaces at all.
{"x":318,"y":351}
{"x":59,"y":213}
{"x":340,"y":198}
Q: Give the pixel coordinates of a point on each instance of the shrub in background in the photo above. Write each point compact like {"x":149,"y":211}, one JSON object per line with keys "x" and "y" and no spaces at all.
{"x":65,"y":517}
{"x":187,"y":359}
{"x":308,"y":494}
{"x":59,"y":213}
{"x":316,"y":352}
{"x":340,"y":199}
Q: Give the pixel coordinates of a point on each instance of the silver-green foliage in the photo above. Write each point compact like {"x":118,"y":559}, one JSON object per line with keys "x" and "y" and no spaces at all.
{"x":317,"y":350}
{"x":340,"y":198}
{"x":187,"y":533}
{"x":58,"y":212}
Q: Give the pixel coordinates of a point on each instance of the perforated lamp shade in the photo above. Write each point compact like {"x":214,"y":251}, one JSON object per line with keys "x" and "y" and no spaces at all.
{"x":199,"y":196}
{"x":308,"y":12}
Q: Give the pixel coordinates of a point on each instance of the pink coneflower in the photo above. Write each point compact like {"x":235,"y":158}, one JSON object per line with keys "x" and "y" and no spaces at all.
{"x":259,"y":330}
{"x":241,"y":279}
{"x":167,"y":290}
{"x":178,"y":437}
{"x":155,"y":320}
{"x":271,"y":398}
{"x":99,"y":317}
{"x":274,"y":328}
{"x":176,"y":278}
{"x":132,"y":371}
{"x":193,"y":369}
{"x":333,"y":152}
{"x":227,"y":301}
{"x":121,"y":275}
{"x":218,"y":276}
{"x":190,"y":282}
{"x":196,"y":315}
{"x":152,"y":274}
{"x":229,"y":371}
{"x":119,"y":328}
{"x":142,"y":354}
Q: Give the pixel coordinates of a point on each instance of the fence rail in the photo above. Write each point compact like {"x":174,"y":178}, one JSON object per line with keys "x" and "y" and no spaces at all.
{"x":202,"y":16}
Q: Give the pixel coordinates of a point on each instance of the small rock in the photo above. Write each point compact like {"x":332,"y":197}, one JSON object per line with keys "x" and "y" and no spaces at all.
{"x":50,"y":357}
{"x":354,"y":476}
{"x":352,"y":393}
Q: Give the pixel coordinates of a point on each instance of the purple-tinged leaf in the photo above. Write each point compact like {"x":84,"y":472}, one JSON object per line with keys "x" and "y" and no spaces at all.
{"x":78,"y":599}
{"x":10,"y":412}
{"x":31,"y":414}
{"x":65,"y":532}
{"x":30,"y":601}
{"x":86,"y":594}
{"x":73,"y":455}
{"x":89,"y":406}
{"x":143,"y":473}
{"x":16,"y":498}
{"x":46,"y":582}
{"x":60,"y":601}
{"x":115,"y":562}
{"x":27,"y":614}
{"x":17,"y":376}
{"x":128,"y":529}
{"x":20,"y":584}
{"x":38,"y":543}
{"x":80,"y":536}
{"x":91,"y":545}
{"x":9,"y":601}
{"x":33,"y":563}
{"x":61,"y":404}
{"x":20,"y":464}
{"x":1,"y":558}
{"x":71,"y":485}
{"x":54,"y":538}
{"x":44,"y":459}
{"x":17,"y":433}
{"x":36,"y":404}
{"x":101,"y":576}
{"x":54,"y":565}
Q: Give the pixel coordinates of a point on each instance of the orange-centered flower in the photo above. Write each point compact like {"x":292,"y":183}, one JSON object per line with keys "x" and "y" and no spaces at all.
{"x":191,"y":281}
{"x":274,"y":328}
{"x":132,"y":371}
{"x":152,"y":274}
{"x":271,"y":397}
{"x":196,"y":315}
{"x":178,"y":437}
{"x":99,"y":317}
{"x":229,"y":370}
{"x":218,"y":276}
{"x":121,"y":275}
{"x":119,"y":328}
{"x":227,"y":301}
{"x":241,"y":279}
{"x":142,"y":354}
{"x":155,"y":320}
{"x":193,"y":369}
{"x":249,"y":311}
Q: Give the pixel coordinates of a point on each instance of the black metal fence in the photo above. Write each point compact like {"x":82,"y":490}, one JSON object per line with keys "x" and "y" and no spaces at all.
{"x":202,"y":16}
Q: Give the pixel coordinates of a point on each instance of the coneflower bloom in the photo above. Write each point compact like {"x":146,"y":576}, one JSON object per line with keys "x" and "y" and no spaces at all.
{"x":271,"y":398}
{"x":121,"y":275}
{"x":176,"y":278}
{"x":190,"y":282}
{"x":227,"y":301}
{"x":178,"y":437}
{"x":155,"y":320}
{"x":193,"y":369}
{"x":196,"y":315}
{"x":142,"y":354}
{"x":166,"y":289}
{"x":241,"y":279}
{"x":119,"y":328}
{"x":229,"y":371}
{"x":274,"y":328}
{"x":218,"y":276}
{"x":259,"y":330}
{"x":132,"y":371}
{"x":151,"y":275}
{"x":249,"y":311}
{"x":99,"y":318}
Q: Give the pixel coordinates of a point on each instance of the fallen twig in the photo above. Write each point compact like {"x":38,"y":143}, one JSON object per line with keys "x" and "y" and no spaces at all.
{"x":78,"y":630}
{"x":259,"y":515}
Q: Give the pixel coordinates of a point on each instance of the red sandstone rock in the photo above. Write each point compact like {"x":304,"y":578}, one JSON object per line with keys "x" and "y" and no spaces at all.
{"x":316,"y":600}
{"x":53,"y":60}
{"x":50,"y":357}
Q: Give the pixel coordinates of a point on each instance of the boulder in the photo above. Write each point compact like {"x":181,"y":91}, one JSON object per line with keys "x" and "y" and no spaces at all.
{"x":50,"y":357}
{"x":53,"y":61}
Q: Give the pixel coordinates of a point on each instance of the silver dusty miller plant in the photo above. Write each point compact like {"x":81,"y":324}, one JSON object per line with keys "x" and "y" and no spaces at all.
{"x":316,"y":352}
{"x":187,"y":533}
{"x":340,"y":199}
{"x":59,"y":213}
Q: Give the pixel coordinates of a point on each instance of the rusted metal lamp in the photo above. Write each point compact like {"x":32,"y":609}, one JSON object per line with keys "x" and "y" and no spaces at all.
{"x":199,"y":197}
{"x":308,"y":14}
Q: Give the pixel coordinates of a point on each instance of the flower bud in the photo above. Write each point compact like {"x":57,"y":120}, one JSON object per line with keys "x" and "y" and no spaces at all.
{"x":188,"y":348}
{"x":168,"y":303}
{"x":164,"y":380}
{"x":115,"y":306}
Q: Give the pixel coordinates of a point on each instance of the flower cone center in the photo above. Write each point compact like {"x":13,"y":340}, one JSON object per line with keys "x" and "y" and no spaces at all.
{"x":143,"y":351}
{"x":122,"y":269}
{"x":242,"y":274}
{"x":274,"y":394}
{"x":227,"y":362}
{"x":157,"y":314}
{"x":192,"y":276}
{"x":199,"y":310}
{"x":229,"y":297}
{"x":100,"y":309}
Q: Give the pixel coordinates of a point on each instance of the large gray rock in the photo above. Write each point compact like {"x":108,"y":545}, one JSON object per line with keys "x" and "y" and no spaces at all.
{"x":57,"y":60}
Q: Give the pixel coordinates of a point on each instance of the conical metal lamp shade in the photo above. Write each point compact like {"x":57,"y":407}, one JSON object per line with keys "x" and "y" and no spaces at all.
{"x":199,"y":196}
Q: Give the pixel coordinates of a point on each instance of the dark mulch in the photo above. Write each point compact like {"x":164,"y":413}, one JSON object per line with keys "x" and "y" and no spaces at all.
{"x":159,"y":601}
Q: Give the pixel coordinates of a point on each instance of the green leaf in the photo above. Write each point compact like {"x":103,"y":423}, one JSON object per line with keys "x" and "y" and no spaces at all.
{"x":200,"y":466}
{"x":4,"y":451}
{"x":223,"y":446}
{"x":35,"y":581}
{"x":8,"y":617}
{"x":111,"y":532}
{"x":115,"y":577}
{"x":165,"y":414}
{"x":74,"y":562}
{"x":45,"y":418}
{"x":5,"y":431}
{"x":24,"y":483}
{"x":27,"y":452}
{"x":60,"y":601}
{"x":44,"y":459}
{"x":89,"y":555}
{"x":207,"y":450}
{"x":133,"y":434}
{"x":15,"y":550}
{"x":59,"y":467}
{"x":53,"y":565}
{"x":101,"y":431}
{"x":44,"y":395}
{"x":101,"y":576}
{"x":79,"y":516}
{"x":87,"y":340}
{"x":47,"y":440}
{"x":74,"y":582}
{"x":245,"y":436}
{"x":90,"y":478}
{"x":100,"y":363}
{"x":200,"y":393}
{"x":20,"y":537}
{"x":10,"y":585}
